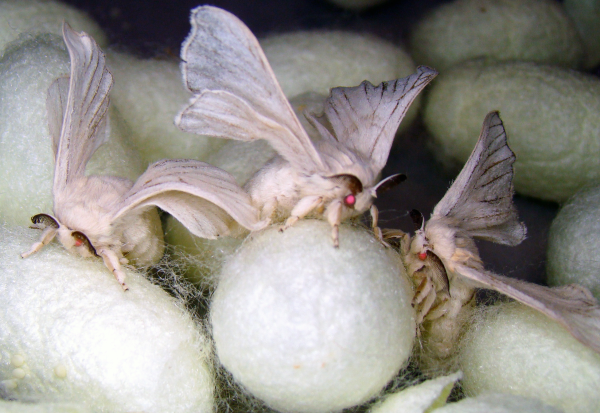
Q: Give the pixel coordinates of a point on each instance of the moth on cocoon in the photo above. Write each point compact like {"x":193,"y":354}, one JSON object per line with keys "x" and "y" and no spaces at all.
{"x":80,"y":339}
{"x":511,"y":348}
{"x":526,"y":30}
{"x":27,"y":69}
{"x":574,"y":242}
{"x":498,"y":403}
{"x":422,"y":398}
{"x":586,"y":15}
{"x":316,"y":61}
{"x":149,"y":94}
{"x":310,"y":328}
{"x":42,"y":16}
{"x":551,"y":118}
{"x":18,"y":407}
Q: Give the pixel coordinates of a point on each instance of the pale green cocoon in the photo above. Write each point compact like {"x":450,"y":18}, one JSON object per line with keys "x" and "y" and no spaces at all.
{"x":316,"y":61}
{"x":43,"y":16}
{"x":69,"y":333}
{"x":498,"y":30}
{"x":307,"y":327}
{"x":17,"y":407}
{"x":149,"y":94}
{"x":574,"y":242}
{"x":422,"y":398}
{"x":515,"y":349}
{"x":498,"y":403}
{"x":27,"y":69}
{"x":586,"y":16}
{"x":550,"y":116}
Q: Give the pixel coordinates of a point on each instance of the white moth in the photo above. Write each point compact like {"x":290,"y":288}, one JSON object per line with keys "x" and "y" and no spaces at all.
{"x":237,"y":96}
{"x":108,"y":216}
{"x":445,"y":265}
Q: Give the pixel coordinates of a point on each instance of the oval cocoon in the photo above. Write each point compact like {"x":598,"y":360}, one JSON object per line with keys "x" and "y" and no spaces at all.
{"x":307,"y":327}
{"x":550,"y":116}
{"x":515,"y":349}
{"x":498,"y":403}
{"x":499,"y":30}
{"x":27,"y":69}
{"x":77,"y":337}
{"x":150,"y":93}
{"x":574,"y":242}
{"x":586,"y":15}
{"x":316,"y":61}
{"x":43,"y":16}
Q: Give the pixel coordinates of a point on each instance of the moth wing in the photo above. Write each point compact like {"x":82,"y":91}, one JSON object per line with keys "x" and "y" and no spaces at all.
{"x":481,"y":198}
{"x":82,"y":128}
{"x":236,"y":93}
{"x":202,"y":197}
{"x":573,"y":306}
{"x":365,"y":118}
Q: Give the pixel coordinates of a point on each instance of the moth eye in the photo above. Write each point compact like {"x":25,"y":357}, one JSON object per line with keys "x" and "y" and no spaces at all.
{"x":81,"y":239}
{"x":422,"y":255}
{"x":350,"y":200}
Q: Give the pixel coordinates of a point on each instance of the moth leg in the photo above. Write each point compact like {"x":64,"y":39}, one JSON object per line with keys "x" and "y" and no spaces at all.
{"x":301,"y":209}
{"x":438,"y":310}
{"x":425,"y":306}
{"x":112,"y":262}
{"x":268,"y":209}
{"x":334,"y":217}
{"x":374,"y":221}
{"x":48,"y":235}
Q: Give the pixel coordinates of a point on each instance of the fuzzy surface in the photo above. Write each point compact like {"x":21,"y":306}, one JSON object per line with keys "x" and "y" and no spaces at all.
{"x":17,"y":407}
{"x":69,"y":333}
{"x":574,"y":242}
{"x":149,"y":94}
{"x":586,"y":15}
{"x":27,"y":69}
{"x":43,"y":16}
{"x":499,"y":30}
{"x":307,"y":327}
{"x":421,"y":398}
{"x":498,"y":403}
{"x":514,"y":349}
{"x":549,"y":114}
{"x":316,"y":61}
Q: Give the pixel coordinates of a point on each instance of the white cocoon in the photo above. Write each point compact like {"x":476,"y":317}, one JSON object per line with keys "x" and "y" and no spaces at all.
{"x":421,"y":398}
{"x":498,"y":403}
{"x":549,"y":114}
{"x":69,"y":333}
{"x":43,"y":16}
{"x":17,"y":407}
{"x":150,"y":93}
{"x":307,"y":327}
{"x":316,"y":61}
{"x":515,"y":349}
{"x":27,"y":69}
{"x":498,"y":30}
{"x":574,"y":242}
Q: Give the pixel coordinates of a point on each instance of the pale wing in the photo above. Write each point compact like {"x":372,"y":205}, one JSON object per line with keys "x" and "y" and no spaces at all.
{"x":224,"y":65}
{"x":83,"y":124}
{"x":481,"y":198}
{"x":365,"y":118}
{"x":56,"y":104}
{"x":202,"y":197}
{"x":572,"y":306}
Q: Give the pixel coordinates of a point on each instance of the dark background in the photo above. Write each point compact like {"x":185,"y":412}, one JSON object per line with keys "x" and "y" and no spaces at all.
{"x":156,"y":28}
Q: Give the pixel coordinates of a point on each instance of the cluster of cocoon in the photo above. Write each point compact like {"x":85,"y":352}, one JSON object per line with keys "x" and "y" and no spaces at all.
{"x":316,"y":61}
{"x":27,"y":68}
{"x":513,"y":349}
{"x":307,"y":327}
{"x":586,"y":15}
{"x":69,"y":333}
{"x":550,"y":116}
{"x":149,"y":94}
{"x":527,"y":30}
{"x":43,"y":16}
{"x":498,"y":403}
{"x":574,"y":242}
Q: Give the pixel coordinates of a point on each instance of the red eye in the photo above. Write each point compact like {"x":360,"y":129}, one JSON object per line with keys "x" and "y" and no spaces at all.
{"x":350,"y":200}
{"x":422,"y":256}
{"x":78,"y":242}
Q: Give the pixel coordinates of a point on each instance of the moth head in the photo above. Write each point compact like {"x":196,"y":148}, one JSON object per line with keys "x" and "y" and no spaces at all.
{"x":419,"y":244}
{"x":76,"y":241}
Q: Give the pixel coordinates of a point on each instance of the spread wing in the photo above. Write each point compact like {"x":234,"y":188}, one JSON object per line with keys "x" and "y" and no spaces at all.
{"x":573,"y":306}
{"x":77,"y":118}
{"x":236,"y":94}
{"x":365,"y":118}
{"x":481,"y":198}
{"x":202,"y":197}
